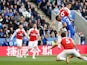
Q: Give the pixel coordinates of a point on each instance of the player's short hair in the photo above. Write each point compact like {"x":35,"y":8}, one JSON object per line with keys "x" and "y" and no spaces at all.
{"x":57,"y":17}
{"x":63,"y":34}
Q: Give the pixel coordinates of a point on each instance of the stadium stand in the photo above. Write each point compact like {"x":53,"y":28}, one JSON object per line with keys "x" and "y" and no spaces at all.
{"x":14,"y":12}
{"x":48,"y":5}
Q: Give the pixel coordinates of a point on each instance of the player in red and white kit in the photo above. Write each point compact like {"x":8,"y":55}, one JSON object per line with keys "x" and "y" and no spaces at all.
{"x":65,"y":11}
{"x":33,"y":41}
{"x":69,"y":49}
{"x":19,"y":33}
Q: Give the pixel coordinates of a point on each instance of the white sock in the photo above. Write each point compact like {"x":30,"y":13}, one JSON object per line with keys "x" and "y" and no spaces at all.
{"x":84,"y":58}
{"x":34,"y":54}
{"x":61,"y":58}
{"x":19,"y":52}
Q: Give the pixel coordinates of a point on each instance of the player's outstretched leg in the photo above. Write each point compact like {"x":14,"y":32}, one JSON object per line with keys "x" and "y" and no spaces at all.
{"x":83,"y":58}
{"x":59,"y":58}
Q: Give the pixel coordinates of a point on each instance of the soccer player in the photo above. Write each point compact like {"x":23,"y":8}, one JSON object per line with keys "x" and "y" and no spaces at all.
{"x":60,"y":27}
{"x":33,"y":41}
{"x":68,"y":25}
{"x":66,"y":20}
{"x":19,"y":33}
{"x":69,"y":49}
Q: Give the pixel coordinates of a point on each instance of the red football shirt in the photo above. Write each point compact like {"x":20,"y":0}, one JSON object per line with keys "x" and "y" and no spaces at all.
{"x":33,"y":33}
{"x":67,"y":43}
{"x":20,"y":34}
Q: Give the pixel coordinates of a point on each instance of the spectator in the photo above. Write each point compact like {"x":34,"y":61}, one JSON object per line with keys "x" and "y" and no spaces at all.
{"x":26,"y":14}
{"x":43,"y":3}
{"x":6,"y":32}
{"x":56,"y":10}
{"x":21,"y":9}
{"x":17,"y":16}
{"x":1,"y":33}
{"x":16,"y":8}
{"x":39,"y":2}
{"x":0,"y":25}
{"x":30,"y":23}
{"x":49,"y":11}
{"x":25,"y":41}
{"x":6,"y":20}
{"x":53,"y":4}
{"x":5,"y":12}
{"x":1,"y":19}
{"x":6,"y":42}
{"x":59,"y":2}
{"x":12,"y":7}
{"x":44,"y":40}
{"x":10,"y":13}
{"x":26,"y":26}
{"x":82,"y":38}
{"x":33,"y":19}
{"x":84,"y":13}
{"x":11,"y":30}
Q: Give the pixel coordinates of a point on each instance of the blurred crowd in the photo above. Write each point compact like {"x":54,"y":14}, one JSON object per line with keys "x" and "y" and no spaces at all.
{"x":48,"y":5}
{"x":14,"y":12}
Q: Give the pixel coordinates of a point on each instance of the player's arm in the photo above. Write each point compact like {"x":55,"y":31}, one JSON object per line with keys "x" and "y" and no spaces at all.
{"x":57,"y":43}
{"x":13,"y":34}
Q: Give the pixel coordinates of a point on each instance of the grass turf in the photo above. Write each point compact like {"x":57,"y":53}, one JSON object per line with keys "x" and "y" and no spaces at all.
{"x":41,"y":60}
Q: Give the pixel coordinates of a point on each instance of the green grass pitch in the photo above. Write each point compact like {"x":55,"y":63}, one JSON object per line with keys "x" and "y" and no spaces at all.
{"x":41,"y":60}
